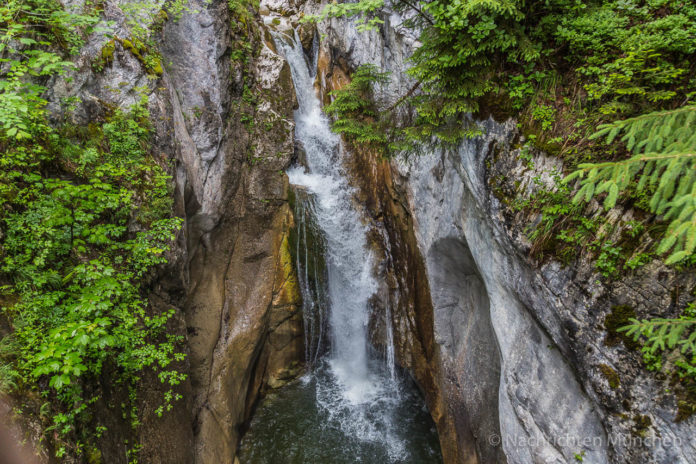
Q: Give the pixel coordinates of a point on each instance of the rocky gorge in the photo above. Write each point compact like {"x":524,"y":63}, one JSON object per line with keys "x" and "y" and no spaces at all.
{"x":517,"y":358}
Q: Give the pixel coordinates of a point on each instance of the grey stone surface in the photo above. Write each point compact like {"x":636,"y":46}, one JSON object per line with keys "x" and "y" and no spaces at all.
{"x":544,"y":322}
{"x":547,"y":321}
{"x":228,"y":276}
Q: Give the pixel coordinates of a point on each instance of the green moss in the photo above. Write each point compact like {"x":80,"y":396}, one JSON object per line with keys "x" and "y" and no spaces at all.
{"x":94,"y":456}
{"x":134,"y":46}
{"x":150,"y":59}
{"x":160,"y":19}
{"x":289,"y":292}
{"x":619,"y":317}
{"x":107,"y":53}
{"x":292,"y":199}
{"x":155,"y":66}
{"x":643,"y":423}
{"x":686,"y":407}
{"x":106,"y":57}
{"x":685,"y":393}
{"x":611,"y":376}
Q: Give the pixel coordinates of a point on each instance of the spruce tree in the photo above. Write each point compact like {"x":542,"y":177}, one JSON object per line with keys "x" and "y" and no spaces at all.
{"x":663,"y":144}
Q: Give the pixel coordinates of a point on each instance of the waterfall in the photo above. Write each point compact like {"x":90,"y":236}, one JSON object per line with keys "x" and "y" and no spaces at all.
{"x":391,"y":361}
{"x":309,"y":252}
{"x":350,"y":406}
{"x":357,"y":391}
{"x":348,"y":261}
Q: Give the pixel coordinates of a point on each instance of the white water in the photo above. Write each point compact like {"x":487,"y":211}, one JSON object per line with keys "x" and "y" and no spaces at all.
{"x":360,"y":394}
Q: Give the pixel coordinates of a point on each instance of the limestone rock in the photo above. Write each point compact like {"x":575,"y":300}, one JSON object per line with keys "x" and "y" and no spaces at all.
{"x":509,"y":352}
{"x":229,"y":277}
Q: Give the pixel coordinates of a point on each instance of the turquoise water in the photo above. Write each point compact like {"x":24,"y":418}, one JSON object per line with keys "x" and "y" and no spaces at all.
{"x":303,"y":424}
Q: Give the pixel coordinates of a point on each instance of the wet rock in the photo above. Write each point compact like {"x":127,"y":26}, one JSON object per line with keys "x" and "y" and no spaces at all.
{"x":229,"y":275}
{"x":306,"y":32}
{"x":509,"y":351}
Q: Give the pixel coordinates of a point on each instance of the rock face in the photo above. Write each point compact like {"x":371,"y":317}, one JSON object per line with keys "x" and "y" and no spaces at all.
{"x":558,"y":362}
{"x":228,"y":130}
{"x":518,"y":360}
{"x":242,"y":303}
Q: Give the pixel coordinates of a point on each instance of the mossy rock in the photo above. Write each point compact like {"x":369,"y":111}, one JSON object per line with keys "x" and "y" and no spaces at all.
{"x":611,"y":375}
{"x":160,"y":19}
{"x":155,"y":67}
{"x":643,"y":423}
{"x":620,"y":316}
{"x":148,"y":58}
{"x":685,"y":408}
{"x":135,"y":46}
{"x":106,"y":57}
{"x":107,"y":53}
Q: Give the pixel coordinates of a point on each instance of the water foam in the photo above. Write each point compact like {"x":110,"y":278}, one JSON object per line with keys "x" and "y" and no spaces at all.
{"x":357,"y":394}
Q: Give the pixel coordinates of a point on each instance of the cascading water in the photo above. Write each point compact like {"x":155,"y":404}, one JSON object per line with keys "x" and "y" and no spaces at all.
{"x":349,"y":264}
{"x":350,"y":407}
{"x":311,"y":273}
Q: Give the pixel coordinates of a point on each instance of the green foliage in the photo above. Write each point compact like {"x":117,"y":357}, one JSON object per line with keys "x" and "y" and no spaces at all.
{"x":86,"y":218}
{"x":365,"y":10}
{"x":143,"y":17}
{"x":355,"y":113}
{"x":76,"y":267}
{"x":563,"y":226}
{"x":662,"y":336}
{"x":628,"y":56}
{"x":607,"y":262}
{"x":664,"y":148}
{"x":26,"y":28}
{"x":242,"y":12}
{"x":545,"y":115}
{"x":459,"y":58}
{"x":151,"y":60}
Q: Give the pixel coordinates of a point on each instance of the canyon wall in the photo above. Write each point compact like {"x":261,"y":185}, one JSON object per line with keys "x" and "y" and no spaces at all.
{"x":225,"y":126}
{"x":519,"y":360}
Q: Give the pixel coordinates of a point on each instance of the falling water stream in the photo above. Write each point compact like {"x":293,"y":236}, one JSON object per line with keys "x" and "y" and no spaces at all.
{"x":351,"y":405}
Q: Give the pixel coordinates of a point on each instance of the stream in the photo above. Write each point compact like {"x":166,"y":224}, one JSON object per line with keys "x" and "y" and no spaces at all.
{"x":352,"y":405}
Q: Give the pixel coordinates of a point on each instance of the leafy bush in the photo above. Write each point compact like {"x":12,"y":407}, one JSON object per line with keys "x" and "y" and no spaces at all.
{"x":629,"y":56}
{"x":356,"y":115}
{"x":86,"y":218}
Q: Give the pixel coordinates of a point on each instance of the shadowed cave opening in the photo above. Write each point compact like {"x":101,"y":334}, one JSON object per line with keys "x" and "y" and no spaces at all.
{"x":468,"y":345}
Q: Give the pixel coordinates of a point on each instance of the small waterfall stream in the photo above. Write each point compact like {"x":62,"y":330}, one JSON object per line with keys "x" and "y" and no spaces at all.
{"x":351,"y":406}
{"x":348,"y":261}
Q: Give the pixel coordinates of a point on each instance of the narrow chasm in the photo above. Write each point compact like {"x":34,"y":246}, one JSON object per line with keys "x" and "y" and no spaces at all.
{"x":353,"y":404}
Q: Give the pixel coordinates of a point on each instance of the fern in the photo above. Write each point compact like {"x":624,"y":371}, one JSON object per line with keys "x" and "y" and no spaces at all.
{"x":662,"y":335}
{"x":664,"y":151}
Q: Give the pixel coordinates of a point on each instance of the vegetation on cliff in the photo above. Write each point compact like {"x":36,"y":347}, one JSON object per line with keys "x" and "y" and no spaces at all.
{"x":567,"y":68}
{"x":85,"y":218}
{"x":608,"y":86}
